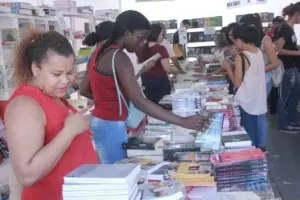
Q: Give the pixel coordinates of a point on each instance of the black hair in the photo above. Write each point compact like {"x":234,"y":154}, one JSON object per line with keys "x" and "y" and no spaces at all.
{"x":230,"y":27}
{"x":224,"y":30}
{"x":278,"y":19}
{"x":129,"y":20}
{"x":246,"y":33}
{"x":35,"y":48}
{"x":186,"y":22}
{"x":254,"y":19}
{"x":220,"y":40}
{"x":291,"y":9}
{"x":155,"y":30}
{"x":103,"y":32}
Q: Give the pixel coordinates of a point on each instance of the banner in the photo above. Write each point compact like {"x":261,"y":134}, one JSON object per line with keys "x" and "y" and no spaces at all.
{"x":242,"y":3}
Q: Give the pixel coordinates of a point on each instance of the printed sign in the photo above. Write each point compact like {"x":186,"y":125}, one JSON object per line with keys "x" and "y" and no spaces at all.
{"x":241,"y":3}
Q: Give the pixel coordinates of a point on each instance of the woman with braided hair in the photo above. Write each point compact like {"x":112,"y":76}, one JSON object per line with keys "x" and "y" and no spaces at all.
{"x":108,"y":121}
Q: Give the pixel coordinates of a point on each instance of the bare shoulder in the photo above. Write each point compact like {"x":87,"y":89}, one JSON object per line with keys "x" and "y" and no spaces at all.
{"x":122,"y":60}
{"x":23,"y":108}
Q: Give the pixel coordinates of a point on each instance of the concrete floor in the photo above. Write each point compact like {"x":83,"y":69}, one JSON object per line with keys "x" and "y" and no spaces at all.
{"x":284,"y":162}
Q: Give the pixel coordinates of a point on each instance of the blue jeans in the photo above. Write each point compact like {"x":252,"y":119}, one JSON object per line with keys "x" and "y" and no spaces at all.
{"x":288,"y":98}
{"x":269,"y":87}
{"x":256,"y":127}
{"x":108,"y":137}
{"x":294,"y":99}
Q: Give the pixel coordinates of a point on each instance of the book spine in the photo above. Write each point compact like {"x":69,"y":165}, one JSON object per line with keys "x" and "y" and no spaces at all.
{"x":240,"y":167}
{"x":254,"y":186}
{"x":139,"y":146}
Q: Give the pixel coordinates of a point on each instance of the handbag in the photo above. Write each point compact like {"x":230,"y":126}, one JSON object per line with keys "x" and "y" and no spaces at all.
{"x":277,"y":74}
{"x":135,"y":116}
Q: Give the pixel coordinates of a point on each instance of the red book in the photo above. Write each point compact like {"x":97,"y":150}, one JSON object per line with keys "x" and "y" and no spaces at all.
{"x":229,"y":158}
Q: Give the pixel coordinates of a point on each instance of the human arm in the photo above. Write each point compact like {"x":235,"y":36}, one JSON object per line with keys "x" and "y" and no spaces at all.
{"x":236,"y":74}
{"x":165,"y":61}
{"x":282,"y":35}
{"x":25,"y":132}
{"x":84,"y":87}
{"x":133,"y":91}
{"x":285,"y":52}
{"x":270,"y":51}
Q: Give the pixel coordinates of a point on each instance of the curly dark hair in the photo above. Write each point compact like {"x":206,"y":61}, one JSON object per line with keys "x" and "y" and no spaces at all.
{"x":35,"y":48}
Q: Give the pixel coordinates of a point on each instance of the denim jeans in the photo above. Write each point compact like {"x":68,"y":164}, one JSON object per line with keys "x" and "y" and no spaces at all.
{"x":288,"y":98}
{"x":269,"y":87}
{"x":294,"y":99}
{"x":256,"y":128}
{"x":108,"y":137}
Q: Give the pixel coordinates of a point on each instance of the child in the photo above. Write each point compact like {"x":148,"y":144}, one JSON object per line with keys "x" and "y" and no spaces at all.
{"x":249,"y":79}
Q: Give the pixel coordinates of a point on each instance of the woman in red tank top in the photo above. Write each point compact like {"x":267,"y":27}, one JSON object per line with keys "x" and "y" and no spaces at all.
{"x":47,"y":137}
{"x":108,"y":122}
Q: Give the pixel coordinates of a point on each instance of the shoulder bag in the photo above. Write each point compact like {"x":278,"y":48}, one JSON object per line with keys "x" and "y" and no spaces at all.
{"x":135,"y":116}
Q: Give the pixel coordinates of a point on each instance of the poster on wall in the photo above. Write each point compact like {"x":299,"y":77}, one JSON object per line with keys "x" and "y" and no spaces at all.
{"x":169,"y":24}
{"x":242,"y":3}
{"x":265,"y":17}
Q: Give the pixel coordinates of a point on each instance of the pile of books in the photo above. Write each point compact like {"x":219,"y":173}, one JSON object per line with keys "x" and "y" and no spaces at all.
{"x":105,"y":182}
{"x":241,"y":171}
{"x":195,"y":173}
{"x":158,"y":129}
{"x":145,"y":148}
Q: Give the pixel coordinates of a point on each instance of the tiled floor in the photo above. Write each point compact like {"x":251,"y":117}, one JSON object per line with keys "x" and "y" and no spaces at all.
{"x":284,"y":162}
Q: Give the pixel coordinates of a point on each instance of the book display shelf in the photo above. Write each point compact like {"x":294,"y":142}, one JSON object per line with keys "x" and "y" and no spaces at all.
{"x":200,"y":35}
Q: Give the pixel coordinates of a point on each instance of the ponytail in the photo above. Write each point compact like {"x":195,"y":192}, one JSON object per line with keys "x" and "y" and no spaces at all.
{"x":22,"y":59}
{"x":105,"y":45}
{"x":91,"y":39}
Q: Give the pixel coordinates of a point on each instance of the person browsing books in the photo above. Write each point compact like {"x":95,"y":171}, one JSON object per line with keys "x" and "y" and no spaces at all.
{"x":289,"y":54}
{"x":156,"y":81}
{"x":178,"y":48}
{"x":249,"y":77}
{"x":47,"y":137}
{"x":108,"y":121}
{"x":266,"y":45}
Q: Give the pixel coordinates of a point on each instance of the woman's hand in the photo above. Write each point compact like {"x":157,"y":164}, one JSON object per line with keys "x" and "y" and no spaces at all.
{"x":196,"y":122}
{"x":226,"y":64}
{"x":76,"y":123}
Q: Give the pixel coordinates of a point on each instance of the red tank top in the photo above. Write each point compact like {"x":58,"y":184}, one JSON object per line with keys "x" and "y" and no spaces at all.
{"x":104,"y":92}
{"x":80,"y":151}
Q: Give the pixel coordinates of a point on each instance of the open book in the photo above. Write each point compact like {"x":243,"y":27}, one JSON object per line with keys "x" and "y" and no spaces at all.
{"x":143,"y":66}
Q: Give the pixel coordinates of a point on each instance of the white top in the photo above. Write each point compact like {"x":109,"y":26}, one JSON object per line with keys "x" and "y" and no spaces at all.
{"x":169,"y":47}
{"x":251,"y":94}
{"x":134,"y":59}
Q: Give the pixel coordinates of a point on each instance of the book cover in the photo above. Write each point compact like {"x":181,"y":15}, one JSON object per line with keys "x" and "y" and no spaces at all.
{"x":227,"y":158}
{"x":167,"y":190}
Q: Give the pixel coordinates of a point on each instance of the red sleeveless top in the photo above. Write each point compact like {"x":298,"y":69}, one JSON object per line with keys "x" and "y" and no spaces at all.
{"x":104,"y":92}
{"x":80,"y":151}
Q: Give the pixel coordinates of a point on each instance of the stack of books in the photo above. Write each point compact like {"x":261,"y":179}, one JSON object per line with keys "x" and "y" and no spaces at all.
{"x":168,"y":190}
{"x":150,"y":148}
{"x":105,"y":182}
{"x":195,"y":173}
{"x":158,"y":129}
{"x":241,"y":171}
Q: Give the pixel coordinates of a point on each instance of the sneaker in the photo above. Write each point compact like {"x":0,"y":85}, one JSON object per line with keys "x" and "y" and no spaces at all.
{"x":289,"y":129}
{"x":296,"y":126}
